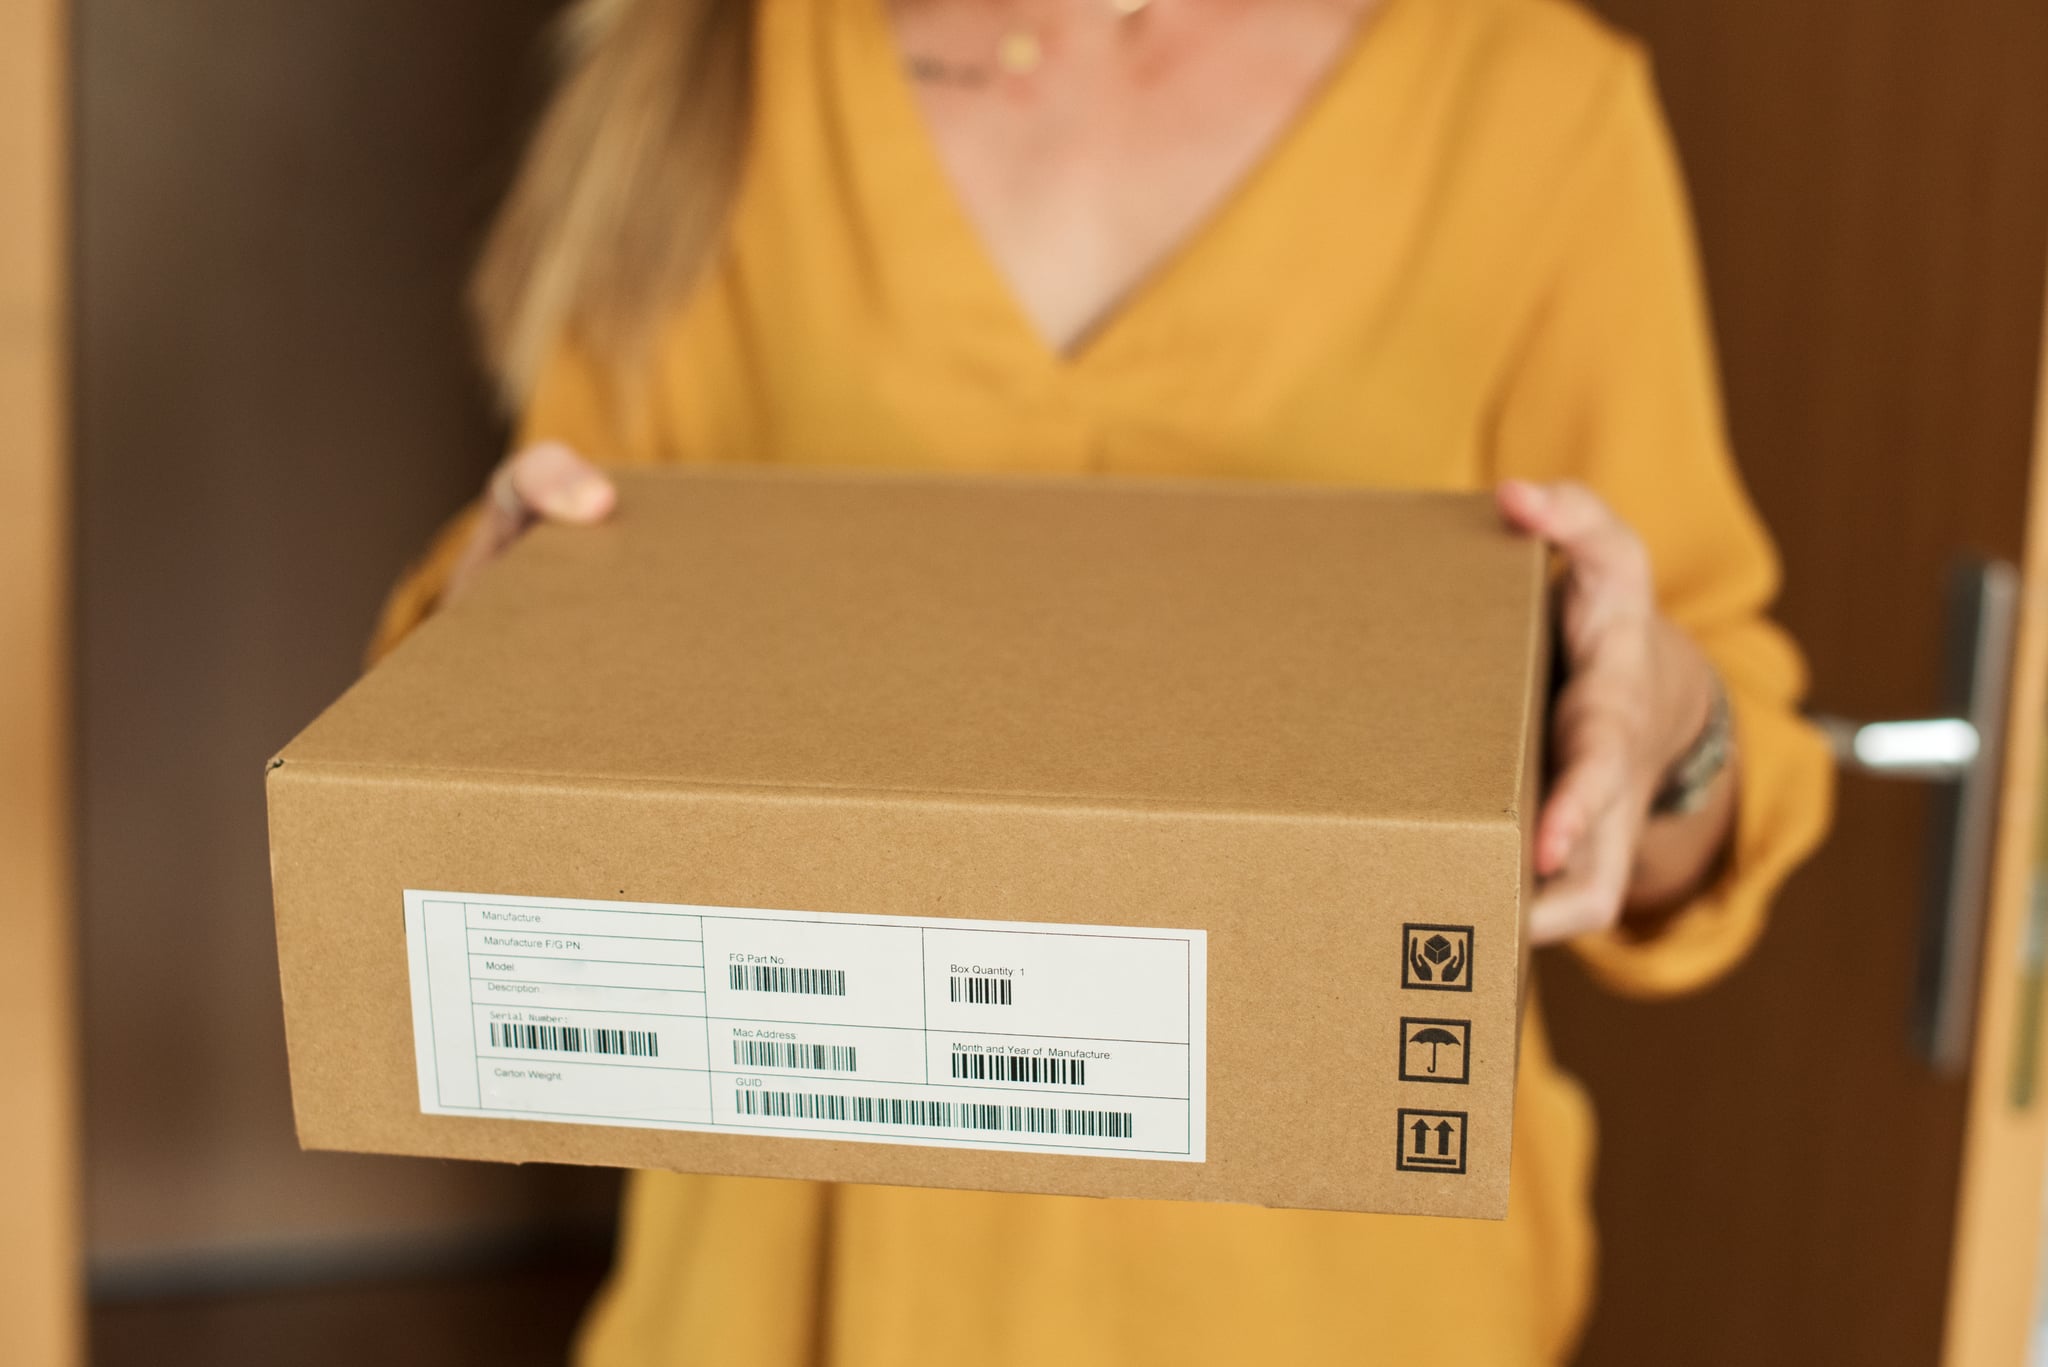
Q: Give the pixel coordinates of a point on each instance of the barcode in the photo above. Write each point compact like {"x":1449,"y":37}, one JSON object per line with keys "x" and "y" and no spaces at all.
{"x":814,"y":982}
{"x":937,"y":1115}
{"x":1062,"y":1072}
{"x":1094,"y":1124}
{"x":982,"y":991}
{"x":768,"y":1053}
{"x":575,"y":1039}
{"x":870,"y":1110}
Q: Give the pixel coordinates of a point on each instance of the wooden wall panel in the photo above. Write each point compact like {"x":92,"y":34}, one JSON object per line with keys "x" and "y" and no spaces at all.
{"x":39,"y":1254}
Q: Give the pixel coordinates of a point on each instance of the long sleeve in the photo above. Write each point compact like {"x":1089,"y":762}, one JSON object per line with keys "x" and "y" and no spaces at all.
{"x":570,"y":404}
{"x":1615,"y":386}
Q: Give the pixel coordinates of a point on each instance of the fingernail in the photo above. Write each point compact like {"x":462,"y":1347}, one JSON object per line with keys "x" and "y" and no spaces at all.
{"x":1556,"y":850}
{"x":577,"y":499}
{"x":1530,"y":494}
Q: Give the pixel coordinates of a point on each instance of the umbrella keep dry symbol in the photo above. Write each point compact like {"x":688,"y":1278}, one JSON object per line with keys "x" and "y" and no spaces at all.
{"x":1435,"y":1050}
{"x":1433,"y":1036}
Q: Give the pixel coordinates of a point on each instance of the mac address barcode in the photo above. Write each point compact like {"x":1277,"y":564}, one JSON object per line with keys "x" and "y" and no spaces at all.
{"x":576,"y":1039}
{"x":982,"y":991}
{"x":936,"y":1115}
{"x":811,"y":982}
{"x":768,"y":1053}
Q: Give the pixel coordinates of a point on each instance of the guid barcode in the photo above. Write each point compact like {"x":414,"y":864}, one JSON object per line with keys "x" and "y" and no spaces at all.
{"x":982,"y":991}
{"x":812,"y":982}
{"x":981,"y":1067}
{"x":936,"y":1115}
{"x":768,"y":1053}
{"x":575,"y":1039}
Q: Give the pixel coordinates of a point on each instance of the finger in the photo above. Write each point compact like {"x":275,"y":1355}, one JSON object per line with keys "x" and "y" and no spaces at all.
{"x":1584,"y":794}
{"x":547,"y":480}
{"x":1588,"y":896}
{"x":501,"y":515}
{"x":550,"y":481}
{"x":1522,"y":504}
{"x":1578,"y":522}
{"x":488,"y":537}
{"x":1569,"y":907}
{"x":1592,"y":780}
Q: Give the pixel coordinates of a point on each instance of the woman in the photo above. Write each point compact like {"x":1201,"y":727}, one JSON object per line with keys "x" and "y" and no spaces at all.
{"x":1413,"y":242}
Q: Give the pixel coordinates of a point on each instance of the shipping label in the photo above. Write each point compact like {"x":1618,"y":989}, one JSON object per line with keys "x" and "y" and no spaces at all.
{"x":891,"y":1029}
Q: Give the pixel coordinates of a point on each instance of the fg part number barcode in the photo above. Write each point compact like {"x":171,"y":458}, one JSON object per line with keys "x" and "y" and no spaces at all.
{"x":819,"y":1058}
{"x":575,"y":1039}
{"x":982,"y":991}
{"x":812,"y":982}
{"x":936,"y":1115}
{"x":981,"y":1067}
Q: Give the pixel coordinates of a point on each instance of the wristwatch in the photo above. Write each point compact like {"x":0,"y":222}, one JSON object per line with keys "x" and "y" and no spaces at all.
{"x":1691,"y":776}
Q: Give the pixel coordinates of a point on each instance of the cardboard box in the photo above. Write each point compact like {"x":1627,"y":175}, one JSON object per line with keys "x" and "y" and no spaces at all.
{"x":1123,"y":839}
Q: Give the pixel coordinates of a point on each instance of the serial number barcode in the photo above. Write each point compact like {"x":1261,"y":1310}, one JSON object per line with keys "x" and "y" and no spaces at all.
{"x":576,"y":1039}
{"x":936,"y":1115}
{"x":768,"y":1053}
{"x":813,"y":982}
{"x":1061,"y":1072}
{"x":982,"y":991}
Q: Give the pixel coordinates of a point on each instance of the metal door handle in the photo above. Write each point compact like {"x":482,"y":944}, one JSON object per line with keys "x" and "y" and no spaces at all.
{"x":1962,"y":752}
{"x":1934,"y":748}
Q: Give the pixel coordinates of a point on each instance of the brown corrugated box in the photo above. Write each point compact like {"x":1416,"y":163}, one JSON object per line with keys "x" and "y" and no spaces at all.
{"x":1274,"y":748}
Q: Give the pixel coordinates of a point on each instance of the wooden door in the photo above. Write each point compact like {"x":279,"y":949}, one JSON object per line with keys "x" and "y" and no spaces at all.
{"x":1783,"y":1179}
{"x":276,"y":404}
{"x":40,"y":1301}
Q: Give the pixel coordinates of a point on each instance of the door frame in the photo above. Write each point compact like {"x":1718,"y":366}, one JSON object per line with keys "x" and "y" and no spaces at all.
{"x":1995,"y":1266}
{"x":41,"y":1298}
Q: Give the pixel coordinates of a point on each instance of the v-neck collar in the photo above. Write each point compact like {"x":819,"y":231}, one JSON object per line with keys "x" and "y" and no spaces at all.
{"x":954,"y":250}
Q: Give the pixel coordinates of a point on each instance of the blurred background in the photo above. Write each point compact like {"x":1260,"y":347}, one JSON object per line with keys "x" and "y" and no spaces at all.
{"x":271,"y":402}
{"x":275,"y":404}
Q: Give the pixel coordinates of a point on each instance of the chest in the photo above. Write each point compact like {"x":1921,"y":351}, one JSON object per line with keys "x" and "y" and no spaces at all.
{"x":1086,"y":145}
{"x":1338,"y":312}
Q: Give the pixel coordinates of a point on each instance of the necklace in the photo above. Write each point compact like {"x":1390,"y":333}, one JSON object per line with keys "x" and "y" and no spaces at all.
{"x":1019,"y":52}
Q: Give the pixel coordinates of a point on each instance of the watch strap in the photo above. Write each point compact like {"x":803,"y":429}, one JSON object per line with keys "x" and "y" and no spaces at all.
{"x":1691,"y":776}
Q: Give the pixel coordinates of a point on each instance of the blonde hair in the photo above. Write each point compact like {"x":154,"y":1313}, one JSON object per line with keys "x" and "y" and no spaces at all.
{"x":624,"y":191}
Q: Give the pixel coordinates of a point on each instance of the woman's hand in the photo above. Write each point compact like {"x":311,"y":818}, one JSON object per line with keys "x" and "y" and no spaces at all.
{"x":1637,"y":694}
{"x":546,"y":482}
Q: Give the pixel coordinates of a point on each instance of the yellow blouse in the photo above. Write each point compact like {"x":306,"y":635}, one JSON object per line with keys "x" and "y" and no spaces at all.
{"x":1469,"y":258}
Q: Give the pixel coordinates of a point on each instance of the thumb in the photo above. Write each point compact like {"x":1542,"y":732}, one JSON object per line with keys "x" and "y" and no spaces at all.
{"x":550,"y":480}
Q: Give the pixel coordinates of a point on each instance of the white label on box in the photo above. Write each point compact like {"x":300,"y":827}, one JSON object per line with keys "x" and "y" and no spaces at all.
{"x":889,"y":1029}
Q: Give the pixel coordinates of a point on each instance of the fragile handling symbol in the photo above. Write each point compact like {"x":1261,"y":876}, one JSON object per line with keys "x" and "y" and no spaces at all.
{"x":1436,"y":958}
{"x":1439,"y":951}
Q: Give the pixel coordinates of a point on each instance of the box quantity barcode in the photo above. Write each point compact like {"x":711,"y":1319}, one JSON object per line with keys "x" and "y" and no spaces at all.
{"x":813,"y":982}
{"x":768,"y":1053}
{"x":982,"y":991}
{"x":576,"y":1039}
{"x":980,"y":1067}
{"x":937,"y":1115}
